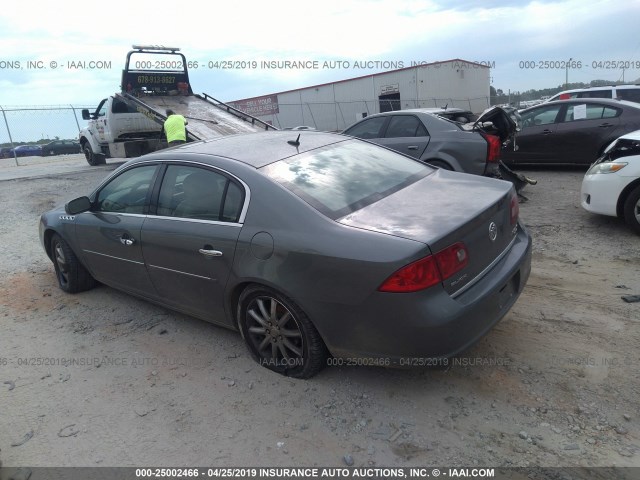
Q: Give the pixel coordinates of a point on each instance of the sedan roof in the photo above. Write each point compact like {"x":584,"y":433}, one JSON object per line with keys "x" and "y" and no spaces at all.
{"x":263,"y":148}
{"x":436,"y":110}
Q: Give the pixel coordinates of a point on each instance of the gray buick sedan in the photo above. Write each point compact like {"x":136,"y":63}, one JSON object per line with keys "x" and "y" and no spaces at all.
{"x":310,"y":244}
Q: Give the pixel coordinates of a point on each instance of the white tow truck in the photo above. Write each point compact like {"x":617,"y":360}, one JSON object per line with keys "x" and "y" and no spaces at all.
{"x":129,"y":123}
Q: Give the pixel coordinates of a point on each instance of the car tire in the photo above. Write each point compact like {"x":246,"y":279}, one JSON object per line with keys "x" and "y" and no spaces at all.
{"x":632,"y":209}
{"x":72,"y":276}
{"x":93,"y":159}
{"x":278,"y":334}
{"x":440,"y":164}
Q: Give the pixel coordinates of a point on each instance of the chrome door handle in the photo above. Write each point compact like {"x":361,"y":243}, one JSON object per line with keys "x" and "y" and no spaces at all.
{"x":127,"y":241}
{"x":210,"y":253}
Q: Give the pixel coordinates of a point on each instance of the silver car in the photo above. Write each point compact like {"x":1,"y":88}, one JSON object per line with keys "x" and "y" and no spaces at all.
{"x":310,"y":244}
{"x":429,"y":136}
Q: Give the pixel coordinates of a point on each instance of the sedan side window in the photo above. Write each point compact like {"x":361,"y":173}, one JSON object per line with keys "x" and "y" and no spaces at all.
{"x":609,"y":112}
{"x":540,"y":116}
{"x":405,"y":126}
{"x":127,"y":193}
{"x":589,"y":112}
{"x":199,"y":193}
{"x":631,"y":94}
{"x":369,"y":128}
{"x":597,"y":94}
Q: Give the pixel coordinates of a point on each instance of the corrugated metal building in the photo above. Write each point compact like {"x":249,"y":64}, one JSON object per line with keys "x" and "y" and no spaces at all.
{"x":335,"y":106}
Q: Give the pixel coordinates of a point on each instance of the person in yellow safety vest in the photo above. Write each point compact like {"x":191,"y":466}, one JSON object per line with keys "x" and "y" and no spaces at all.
{"x":174,"y":128}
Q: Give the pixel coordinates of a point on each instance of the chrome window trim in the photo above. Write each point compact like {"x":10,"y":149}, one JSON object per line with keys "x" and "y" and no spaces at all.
{"x":247,"y":196}
{"x":479,"y":277}
{"x":164,"y":217}
{"x":119,"y":214}
{"x":107,"y":180}
{"x":196,"y":220}
{"x":247,"y":190}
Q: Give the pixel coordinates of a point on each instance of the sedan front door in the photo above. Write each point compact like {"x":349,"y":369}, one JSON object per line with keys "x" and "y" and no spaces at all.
{"x":109,"y":234}
{"x":536,"y":137}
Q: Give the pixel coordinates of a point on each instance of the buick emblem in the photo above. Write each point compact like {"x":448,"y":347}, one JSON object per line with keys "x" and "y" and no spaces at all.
{"x":493,"y":231}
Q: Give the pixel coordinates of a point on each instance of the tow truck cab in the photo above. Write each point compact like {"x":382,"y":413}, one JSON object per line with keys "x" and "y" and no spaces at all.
{"x":118,"y":129}
{"x":154,"y":79}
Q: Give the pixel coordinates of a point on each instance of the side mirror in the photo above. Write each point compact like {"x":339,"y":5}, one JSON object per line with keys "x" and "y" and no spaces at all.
{"x":85,"y":114}
{"x":77,"y":205}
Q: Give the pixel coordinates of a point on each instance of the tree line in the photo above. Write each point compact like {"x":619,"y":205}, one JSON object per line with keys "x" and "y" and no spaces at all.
{"x":498,"y":96}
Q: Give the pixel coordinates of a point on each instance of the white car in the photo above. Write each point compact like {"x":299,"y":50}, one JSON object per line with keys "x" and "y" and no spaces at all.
{"x":622,"y":92}
{"x":612,"y":184}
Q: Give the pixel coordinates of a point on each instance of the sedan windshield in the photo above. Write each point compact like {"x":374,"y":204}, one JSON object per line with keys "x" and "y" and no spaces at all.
{"x":340,"y":179}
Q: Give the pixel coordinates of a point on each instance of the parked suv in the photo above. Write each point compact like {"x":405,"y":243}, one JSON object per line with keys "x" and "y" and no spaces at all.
{"x":620,"y":92}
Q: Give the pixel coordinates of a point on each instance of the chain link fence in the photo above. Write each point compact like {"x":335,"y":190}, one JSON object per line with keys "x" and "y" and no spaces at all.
{"x":37,"y":126}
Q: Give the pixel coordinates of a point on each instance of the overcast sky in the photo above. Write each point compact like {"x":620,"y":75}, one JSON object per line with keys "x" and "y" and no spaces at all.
{"x":504,"y":34}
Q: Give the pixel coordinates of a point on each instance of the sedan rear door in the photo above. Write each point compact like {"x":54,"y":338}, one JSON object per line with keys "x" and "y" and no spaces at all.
{"x":403,"y":133}
{"x":583,"y":130}
{"x":406,"y":134}
{"x":190,"y":241}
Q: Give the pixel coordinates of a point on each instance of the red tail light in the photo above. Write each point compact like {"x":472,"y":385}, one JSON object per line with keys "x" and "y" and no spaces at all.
{"x":416,"y":276}
{"x":427,"y":271}
{"x":494,"y":145}
{"x":514,"y":209}
{"x":452,"y":259}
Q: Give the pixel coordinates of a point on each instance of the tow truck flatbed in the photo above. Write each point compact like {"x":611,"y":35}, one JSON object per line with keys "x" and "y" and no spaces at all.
{"x":129,"y":123}
{"x":206,"y":116}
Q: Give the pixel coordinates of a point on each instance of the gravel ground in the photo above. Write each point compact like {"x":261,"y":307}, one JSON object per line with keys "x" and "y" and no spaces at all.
{"x":556,"y":382}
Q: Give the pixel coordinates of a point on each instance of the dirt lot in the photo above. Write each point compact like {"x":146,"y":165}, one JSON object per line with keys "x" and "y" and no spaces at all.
{"x":556,"y":383}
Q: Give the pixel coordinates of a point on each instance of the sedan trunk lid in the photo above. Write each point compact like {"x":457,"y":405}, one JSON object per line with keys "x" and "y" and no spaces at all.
{"x":439,"y":212}
{"x":504,"y":122}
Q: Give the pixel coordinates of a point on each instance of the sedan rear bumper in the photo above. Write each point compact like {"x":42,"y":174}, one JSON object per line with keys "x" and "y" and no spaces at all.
{"x":399,"y":329}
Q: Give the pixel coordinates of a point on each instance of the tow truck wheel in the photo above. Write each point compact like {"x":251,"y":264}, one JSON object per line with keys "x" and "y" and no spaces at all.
{"x":92,"y":158}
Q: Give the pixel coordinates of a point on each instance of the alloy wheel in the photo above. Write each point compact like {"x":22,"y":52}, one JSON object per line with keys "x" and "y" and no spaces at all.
{"x":274,"y":332}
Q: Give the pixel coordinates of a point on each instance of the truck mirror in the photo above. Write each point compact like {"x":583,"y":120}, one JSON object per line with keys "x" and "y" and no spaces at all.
{"x":85,"y":114}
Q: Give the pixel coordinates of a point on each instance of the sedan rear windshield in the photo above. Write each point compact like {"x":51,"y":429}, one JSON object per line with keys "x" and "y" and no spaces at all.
{"x":342,"y":178}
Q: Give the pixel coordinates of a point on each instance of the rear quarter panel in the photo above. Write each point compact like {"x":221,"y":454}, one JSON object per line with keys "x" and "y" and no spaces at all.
{"x":313,"y":257}
{"x":464,"y":151}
